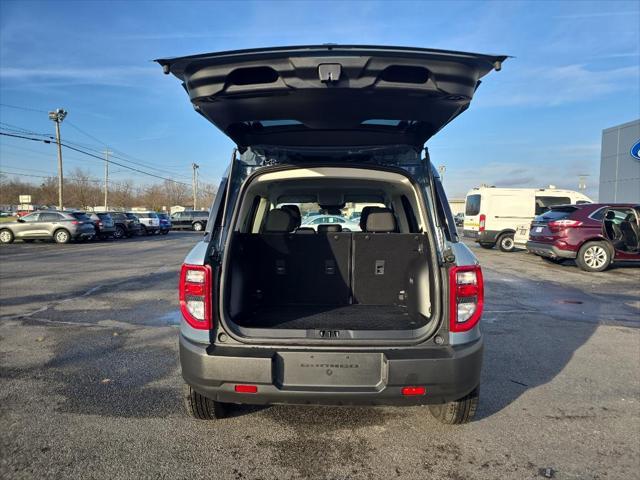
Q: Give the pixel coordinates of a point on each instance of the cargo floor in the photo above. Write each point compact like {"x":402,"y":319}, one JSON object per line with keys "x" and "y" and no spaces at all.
{"x":347,"y":317}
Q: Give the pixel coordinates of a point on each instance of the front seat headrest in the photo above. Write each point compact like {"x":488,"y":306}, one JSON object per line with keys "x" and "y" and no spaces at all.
{"x":382,"y":221}
{"x":279,"y":221}
{"x":611,"y":215}
{"x":366,"y":211}
{"x":329,"y":228}
{"x":294,"y":210}
{"x":306,"y":230}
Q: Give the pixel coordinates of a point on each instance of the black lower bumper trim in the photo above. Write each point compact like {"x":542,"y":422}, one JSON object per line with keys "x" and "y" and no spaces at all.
{"x":447,"y":373}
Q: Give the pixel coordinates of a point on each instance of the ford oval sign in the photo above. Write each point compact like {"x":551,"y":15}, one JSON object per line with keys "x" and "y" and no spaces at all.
{"x":635,"y":150}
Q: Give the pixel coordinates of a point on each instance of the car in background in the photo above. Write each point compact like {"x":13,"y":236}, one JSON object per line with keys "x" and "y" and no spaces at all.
{"x":493,"y":215}
{"x":103,"y":223}
{"x":347,"y":225}
{"x":165,"y":223}
{"x":125,"y":224}
{"x":594,"y":234}
{"x":459,"y":219}
{"x":195,"y":220}
{"x":149,"y":222}
{"x":62,"y":227}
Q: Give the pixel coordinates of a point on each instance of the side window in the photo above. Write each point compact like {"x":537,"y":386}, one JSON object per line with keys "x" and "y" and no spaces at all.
{"x":411,"y":218}
{"x":33,"y":217}
{"x":49,"y":217}
{"x":598,"y":214}
{"x":444,"y":212}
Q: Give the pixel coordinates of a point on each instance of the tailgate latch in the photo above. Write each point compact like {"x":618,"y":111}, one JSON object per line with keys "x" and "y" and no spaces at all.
{"x":329,"y":72}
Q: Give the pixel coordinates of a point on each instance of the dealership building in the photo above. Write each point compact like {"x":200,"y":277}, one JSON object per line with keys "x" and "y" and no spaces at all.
{"x":620,"y":164}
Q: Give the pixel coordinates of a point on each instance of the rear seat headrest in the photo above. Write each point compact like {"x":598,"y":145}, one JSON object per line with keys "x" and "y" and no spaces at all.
{"x":279,"y":221}
{"x":366,"y":211}
{"x":294,"y":210}
{"x":382,"y":221}
{"x":329,"y":228}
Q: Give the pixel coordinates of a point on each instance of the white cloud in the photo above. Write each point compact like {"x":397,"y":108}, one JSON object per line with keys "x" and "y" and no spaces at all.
{"x":553,"y":86}
{"x":114,"y":76}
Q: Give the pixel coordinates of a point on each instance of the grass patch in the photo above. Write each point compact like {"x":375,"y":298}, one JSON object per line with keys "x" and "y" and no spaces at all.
{"x":7,"y":219}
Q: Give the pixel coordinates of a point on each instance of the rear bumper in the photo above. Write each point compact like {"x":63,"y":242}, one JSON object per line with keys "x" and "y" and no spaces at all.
{"x":486,"y":236}
{"x":549,"y":250}
{"x":84,"y":233}
{"x":447,"y":373}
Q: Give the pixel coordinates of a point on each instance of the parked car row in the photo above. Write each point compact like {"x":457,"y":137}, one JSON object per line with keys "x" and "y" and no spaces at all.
{"x":595,"y":235}
{"x":66,"y":226}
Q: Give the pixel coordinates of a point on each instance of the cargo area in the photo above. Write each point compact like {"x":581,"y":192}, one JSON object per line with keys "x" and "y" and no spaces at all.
{"x":283,"y":274}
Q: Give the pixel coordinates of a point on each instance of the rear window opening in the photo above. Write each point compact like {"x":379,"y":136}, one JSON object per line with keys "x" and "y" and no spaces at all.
{"x":472,"y":207}
{"x":338,"y":250}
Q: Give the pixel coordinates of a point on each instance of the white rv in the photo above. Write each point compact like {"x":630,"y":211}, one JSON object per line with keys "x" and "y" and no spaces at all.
{"x":494,"y":215}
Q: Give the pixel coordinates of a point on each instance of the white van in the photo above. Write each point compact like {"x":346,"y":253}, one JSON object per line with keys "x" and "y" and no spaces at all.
{"x":493,"y":215}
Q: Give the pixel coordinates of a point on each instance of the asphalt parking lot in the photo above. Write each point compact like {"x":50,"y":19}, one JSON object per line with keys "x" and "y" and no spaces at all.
{"x":90,"y":383}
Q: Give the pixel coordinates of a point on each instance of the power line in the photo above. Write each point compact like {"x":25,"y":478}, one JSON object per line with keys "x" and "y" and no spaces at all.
{"x":125,"y":157}
{"x":119,"y":153}
{"x":64,"y":144}
{"x":22,"y":108}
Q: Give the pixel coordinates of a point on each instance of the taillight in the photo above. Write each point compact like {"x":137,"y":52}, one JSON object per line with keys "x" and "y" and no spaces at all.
{"x":557,"y":225}
{"x":466,"y":297}
{"x":195,"y":295}
{"x":75,"y":222}
{"x":483,"y":220}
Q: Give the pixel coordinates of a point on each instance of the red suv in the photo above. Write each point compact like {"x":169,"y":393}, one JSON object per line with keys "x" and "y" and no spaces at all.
{"x":594,"y":234}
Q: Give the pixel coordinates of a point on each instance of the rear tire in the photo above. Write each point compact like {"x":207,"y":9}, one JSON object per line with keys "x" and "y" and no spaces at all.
{"x":594,"y":257}
{"x":119,"y":233}
{"x":457,"y":412}
{"x":6,"y":236}
{"x":197,"y":227}
{"x":506,"y":243}
{"x":165,"y":232}
{"x":61,"y":236}
{"x":202,"y":408}
{"x":488,"y":246}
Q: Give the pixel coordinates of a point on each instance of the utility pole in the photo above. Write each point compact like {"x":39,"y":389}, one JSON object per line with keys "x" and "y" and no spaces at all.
{"x":106,"y":178}
{"x":195,"y":167}
{"x":58,"y":116}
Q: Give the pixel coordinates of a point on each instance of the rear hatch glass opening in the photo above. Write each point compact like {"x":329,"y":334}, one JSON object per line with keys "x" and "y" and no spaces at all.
{"x":284,"y":279}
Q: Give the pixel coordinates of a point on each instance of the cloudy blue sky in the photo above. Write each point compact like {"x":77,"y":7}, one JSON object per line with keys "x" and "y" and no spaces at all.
{"x":576,"y":71}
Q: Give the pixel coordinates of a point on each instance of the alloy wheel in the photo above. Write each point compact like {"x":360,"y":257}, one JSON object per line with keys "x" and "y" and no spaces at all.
{"x":5,"y":236}
{"x":595,"y":256}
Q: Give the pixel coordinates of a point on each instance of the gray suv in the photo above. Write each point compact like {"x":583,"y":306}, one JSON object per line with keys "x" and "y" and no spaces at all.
{"x":273,"y":312}
{"x":62,"y":227}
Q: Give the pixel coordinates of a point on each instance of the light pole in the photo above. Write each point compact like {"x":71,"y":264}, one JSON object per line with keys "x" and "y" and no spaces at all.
{"x":106,"y":178}
{"x":195,"y":167}
{"x":58,"y":116}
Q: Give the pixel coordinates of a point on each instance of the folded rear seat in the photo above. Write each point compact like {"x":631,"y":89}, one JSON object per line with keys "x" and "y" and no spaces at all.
{"x":382,"y":260}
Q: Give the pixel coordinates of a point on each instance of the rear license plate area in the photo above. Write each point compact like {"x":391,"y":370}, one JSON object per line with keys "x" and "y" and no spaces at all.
{"x":341,"y":371}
